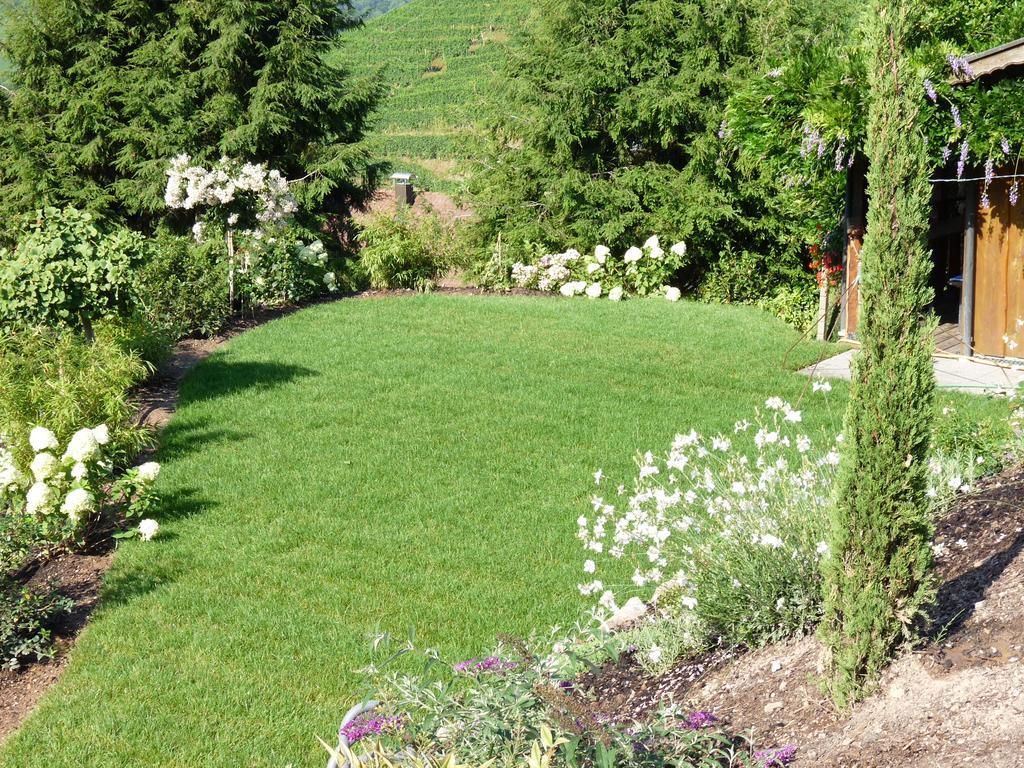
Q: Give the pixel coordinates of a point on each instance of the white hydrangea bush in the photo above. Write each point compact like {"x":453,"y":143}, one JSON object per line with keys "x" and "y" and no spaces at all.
{"x":730,"y":528}
{"x":640,"y":271}
{"x":62,"y":490}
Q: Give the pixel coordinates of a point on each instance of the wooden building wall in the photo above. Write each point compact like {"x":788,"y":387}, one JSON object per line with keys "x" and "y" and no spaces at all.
{"x":999,"y":274}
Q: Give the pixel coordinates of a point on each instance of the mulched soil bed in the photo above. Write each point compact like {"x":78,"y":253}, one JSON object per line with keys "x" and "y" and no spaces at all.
{"x":970,"y":669}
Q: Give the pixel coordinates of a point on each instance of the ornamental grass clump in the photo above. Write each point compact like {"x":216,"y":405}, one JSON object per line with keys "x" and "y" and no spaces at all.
{"x":725,"y":533}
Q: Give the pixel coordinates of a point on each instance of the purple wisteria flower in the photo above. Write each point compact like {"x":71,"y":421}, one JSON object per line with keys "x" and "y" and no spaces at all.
{"x":369,"y":725}
{"x":960,"y":65}
{"x":955,"y":111}
{"x":930,"y":90}
{"x":1004,"y":144}
{"x":1014,"y":192}
{"x":962,"y":163}
{"x":701,"y":719}
{"x":775,"y":758}
{"x":946,"y":152}
{"x":985,"y":202}
{"x":488,"y":664}
{"x":990,"y":170}
{"x":723,"y":129}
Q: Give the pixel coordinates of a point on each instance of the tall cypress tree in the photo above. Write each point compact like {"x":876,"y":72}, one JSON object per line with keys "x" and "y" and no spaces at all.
{"x":877,"y":581}
{"x":106,"y":91}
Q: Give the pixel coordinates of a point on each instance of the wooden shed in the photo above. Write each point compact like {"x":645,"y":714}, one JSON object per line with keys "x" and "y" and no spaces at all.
{"x":978,"y":251}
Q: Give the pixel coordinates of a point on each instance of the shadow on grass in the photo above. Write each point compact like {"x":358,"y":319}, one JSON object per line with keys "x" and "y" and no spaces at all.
{"x":128,"y":582}
{"x":218,"y":376}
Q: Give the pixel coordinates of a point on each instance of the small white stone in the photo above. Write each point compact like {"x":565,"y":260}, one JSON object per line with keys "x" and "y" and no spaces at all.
{"x":630,"y":612}
{"x":776,"y":665}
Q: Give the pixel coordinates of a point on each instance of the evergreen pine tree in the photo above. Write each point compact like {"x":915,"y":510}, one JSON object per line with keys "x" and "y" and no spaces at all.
{"x":106,"y":91}
{"x":877,"y":580}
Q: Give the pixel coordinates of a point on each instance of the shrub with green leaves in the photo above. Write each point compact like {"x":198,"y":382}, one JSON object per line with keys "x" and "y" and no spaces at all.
{"x":405,"y":251}
{"x":183,"y":287}
{"x":27,"y":616}
{"x":282,"y":269}
{"x":54,"y":377}
{"x":69,"y":269}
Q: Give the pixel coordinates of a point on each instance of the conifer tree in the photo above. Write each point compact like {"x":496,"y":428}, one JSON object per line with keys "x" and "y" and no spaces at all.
{"x":105,"y":92}
{"x":877,"y":580}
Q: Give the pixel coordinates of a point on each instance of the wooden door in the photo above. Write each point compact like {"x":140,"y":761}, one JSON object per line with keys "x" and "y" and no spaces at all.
{"x":999,"y":275}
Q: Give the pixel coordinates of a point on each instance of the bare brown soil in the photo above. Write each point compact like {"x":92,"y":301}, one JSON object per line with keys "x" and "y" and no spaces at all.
{"x":425,"y":203}
{"x":957,"y":701}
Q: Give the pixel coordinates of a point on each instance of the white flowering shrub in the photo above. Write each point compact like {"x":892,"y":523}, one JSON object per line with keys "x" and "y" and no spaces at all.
{"x":729,"y":528}
{"x":283,"y":270}
{"x":640,"y":271}
{"x":52,"y":502}
{"x":244,"y":196}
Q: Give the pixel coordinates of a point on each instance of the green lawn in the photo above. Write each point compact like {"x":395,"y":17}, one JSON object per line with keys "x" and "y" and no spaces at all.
{"x":395,"y":462}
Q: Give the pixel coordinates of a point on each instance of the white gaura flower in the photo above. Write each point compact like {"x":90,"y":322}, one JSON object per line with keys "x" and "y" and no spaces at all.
{"x":679,"y":249}
{"x":821,"y":386}
{"x":83,"y":446}
{"x":770,"y":541}
{"x":607,"y":601}
{"x":148,"y":472}
{"x":594,"y":290}
{"x":803,"y":443}
{"x":38,"y":498}
{"x":775,"y":403}
{"x":601,"y":253}
{"x":822,"y":548}
{"x":148,"y":529}
{"x":615,"y":294}
{"x":598,"y":477}
{"x":672,"y":293}
{"x":102,"y":434}
{"x":589,"y":566}
{"x":42,"y":439}
{"x":688,"y":602}
{"x":77,"y":502}
{"x":793,"y":416}
{"x":43,"y":466}
{"x":634,"y":254}
{"x":593,"y":267}
{"x":654,"y":654}
{"x":832,"y":457}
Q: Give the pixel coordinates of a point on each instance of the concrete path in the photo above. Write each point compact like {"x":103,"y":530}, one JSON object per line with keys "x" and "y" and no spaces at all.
{"x":975,"y":375}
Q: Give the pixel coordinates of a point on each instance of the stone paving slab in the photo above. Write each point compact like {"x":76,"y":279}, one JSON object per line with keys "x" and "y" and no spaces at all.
{"x":977,"y":375}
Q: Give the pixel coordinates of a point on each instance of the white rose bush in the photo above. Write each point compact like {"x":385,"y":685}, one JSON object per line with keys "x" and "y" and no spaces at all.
{"x":64,"y":490}
{"x":640,"y":271}
{"x":253,"y":204}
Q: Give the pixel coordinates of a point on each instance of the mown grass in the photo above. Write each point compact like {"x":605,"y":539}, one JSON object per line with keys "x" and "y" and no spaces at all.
{"x":381,"y":463}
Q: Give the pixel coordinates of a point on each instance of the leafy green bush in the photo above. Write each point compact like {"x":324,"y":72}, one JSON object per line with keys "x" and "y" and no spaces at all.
{"x":183,"y":287}
{"x":405,"y":251}
{"x":26,"y":618}
{"x":285,"y":270}
{"x":137,"y":334}
{"x":54,"y":377}
{"x":794,"y":305}
{"x":67,"y":269}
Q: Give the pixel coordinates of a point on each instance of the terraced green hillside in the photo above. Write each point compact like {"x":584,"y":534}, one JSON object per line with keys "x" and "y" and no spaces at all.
{"x":439,"y":58}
